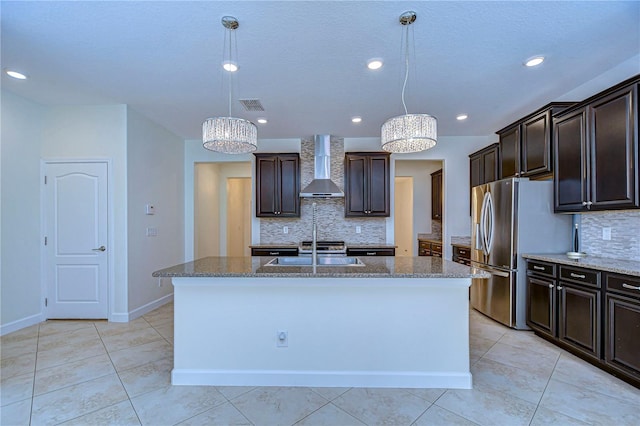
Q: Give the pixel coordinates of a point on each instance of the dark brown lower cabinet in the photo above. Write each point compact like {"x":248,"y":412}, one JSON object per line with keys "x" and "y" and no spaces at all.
{"x":579,"y":318}
{"x":595,"y":315}
{"x":622,"y":319}
{"x":541,"y":309}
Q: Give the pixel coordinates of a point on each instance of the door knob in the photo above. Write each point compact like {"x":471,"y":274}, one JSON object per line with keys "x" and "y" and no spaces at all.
{"x":101,"y":248}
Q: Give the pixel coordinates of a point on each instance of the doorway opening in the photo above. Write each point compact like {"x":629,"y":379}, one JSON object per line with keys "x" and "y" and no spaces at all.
{"x":403,"y":218}
{"x":419,"y":204}
{"x":222,"y":209}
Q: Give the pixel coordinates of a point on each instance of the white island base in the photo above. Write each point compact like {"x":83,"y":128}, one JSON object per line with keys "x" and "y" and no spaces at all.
{"x":341,"y":332}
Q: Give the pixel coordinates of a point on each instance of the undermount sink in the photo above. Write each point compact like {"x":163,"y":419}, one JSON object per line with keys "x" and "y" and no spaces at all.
{"x":308,"y":261}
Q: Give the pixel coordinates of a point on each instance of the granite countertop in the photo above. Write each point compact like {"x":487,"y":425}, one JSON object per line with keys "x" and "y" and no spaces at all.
{"x":375,"y":267}
{"x":430,"y":238}
{"x":461,"y":241}
{"x":627,"y":267}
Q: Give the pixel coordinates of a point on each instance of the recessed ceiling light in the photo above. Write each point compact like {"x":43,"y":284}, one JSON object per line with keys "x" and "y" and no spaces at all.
{"x":535,"y":61}
{"x":356,"y":120}
{"x":374,"y":64}
{"x":16,"y":75}
{"x":262,"y":120}
{"x":230,"y":66}
{"x":462,"y":117}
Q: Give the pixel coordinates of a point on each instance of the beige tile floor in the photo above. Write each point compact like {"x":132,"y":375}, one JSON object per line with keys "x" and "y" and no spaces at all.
{"x":95,"y":372}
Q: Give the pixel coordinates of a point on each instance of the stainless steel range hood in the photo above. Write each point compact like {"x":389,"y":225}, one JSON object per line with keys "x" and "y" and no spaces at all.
{"x":322,"y":186}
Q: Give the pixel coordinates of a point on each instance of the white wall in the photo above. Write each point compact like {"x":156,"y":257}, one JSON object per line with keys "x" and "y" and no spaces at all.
{"x":155,"y":172}
{"x":98,"y":132}
{"x":20,"y":290}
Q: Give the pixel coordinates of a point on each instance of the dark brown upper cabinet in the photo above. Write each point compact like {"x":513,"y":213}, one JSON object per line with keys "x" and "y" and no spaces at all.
{"x":278,"y":185}
{"x":525,"y":146}
{"x":596,"y":152}
{"x":366,"y":184}
{"x":484,"y":165}
{"x":436,"y":195}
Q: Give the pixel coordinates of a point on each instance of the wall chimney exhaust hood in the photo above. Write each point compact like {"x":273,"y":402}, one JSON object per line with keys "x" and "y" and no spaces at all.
{"x":322,"y":186}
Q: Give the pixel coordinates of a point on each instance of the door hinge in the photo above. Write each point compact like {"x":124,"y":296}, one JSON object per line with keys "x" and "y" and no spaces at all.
{"x":45,"y":241}
{"x":46,"y":302}
{"x":45,"y":180}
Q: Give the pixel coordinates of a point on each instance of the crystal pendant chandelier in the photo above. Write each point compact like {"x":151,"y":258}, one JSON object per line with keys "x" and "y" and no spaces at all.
{"x":229,"y":135}
{"x":409,"y":132}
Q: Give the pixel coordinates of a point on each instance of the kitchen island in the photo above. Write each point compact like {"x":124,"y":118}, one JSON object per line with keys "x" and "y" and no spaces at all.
{"x":392,"y":322}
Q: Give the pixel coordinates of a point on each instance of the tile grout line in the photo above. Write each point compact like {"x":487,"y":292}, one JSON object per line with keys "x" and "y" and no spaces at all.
{"x":119,"y":378}
{"x":544,"y":390}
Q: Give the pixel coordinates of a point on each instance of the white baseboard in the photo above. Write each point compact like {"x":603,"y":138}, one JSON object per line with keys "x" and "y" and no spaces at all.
{"x":119,"y":317}
{"x":138,"y":312}
{"x":21,"y":323}
{"x":358,"y":379}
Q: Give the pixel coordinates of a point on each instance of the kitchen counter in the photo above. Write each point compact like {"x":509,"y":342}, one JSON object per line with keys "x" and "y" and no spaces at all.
{"x":374,"y":267}
{"x":461,"y":242}
{"x":396,"y":322}
{"x":270,"y":246}
{"x":627,"y":267}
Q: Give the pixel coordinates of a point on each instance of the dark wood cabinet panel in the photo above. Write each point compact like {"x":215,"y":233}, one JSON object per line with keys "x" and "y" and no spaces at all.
{"x":614,"y":150}
{"x":525,"y":146}
{"x":461,"y":255}
{"x":592,"y":314}
{"x":621,"y":335}
{"x":277,"y":185}
{"x":596,"y":152}
{"x":570,"y":149}
{"x":367,"y":184}
{"x":510,"y":153}
{"x":436,"y":195}
{"x":476,"y":170}
{"x":484,"y":166}
{"x":541,"y":306}
{"x":622,"y":324}
{"x":536,"y":145}
{"x":579,"y":317}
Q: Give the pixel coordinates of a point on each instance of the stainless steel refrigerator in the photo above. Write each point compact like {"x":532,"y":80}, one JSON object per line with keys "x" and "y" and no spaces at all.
{"x":510,"y":217}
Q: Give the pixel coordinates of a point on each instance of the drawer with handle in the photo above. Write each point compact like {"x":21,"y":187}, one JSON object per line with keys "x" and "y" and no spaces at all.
{"x":578,"y":275}
{"x":275,"y":251}
{"x":541,"y":268}
{"x":624,"y":284}
{"x":462,"y":252}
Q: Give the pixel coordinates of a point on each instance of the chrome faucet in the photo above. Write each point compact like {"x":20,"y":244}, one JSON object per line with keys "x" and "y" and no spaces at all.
{"x":314,"y":237}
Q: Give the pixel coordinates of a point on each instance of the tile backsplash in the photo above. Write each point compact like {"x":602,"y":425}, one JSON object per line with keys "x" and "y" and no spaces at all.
{"x":331,"y":223}
{"x":625,"y":234}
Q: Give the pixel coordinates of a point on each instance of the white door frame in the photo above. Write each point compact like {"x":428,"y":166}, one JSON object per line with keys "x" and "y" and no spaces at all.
{"x":110,"y":233}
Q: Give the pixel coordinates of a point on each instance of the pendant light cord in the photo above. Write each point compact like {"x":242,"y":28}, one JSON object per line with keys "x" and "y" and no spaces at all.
{"x":406,"y":64}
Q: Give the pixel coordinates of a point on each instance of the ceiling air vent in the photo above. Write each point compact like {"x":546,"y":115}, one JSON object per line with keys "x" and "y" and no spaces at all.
{"x":251,"y":104}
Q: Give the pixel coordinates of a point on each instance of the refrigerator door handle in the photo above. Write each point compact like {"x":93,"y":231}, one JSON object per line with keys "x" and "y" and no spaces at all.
{"x":478,"y":237}
{"x":486,"y":223}
{"x":492,"y":271}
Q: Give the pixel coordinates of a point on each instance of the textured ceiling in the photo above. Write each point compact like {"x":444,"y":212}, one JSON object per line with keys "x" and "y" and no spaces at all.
{"x":305,"y":60}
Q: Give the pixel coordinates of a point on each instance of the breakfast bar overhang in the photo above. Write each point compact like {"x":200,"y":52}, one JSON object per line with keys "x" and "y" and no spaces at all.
{"x":394,"y":322}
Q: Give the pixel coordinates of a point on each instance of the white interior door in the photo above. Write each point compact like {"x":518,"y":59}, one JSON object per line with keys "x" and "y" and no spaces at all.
{"x":75,"y":218}
{"x":403,"y":215}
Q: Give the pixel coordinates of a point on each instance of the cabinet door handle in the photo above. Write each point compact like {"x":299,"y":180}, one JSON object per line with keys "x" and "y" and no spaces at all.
{"x":577,"y":276}
{"x":584,"y":203}
{"x":538,"y":268}
{"x":559,"y":288}
{"x":631,"y":287}
{"x":274,"y":253}
{"x":551,"y":286}
{"x":462,"y":252}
